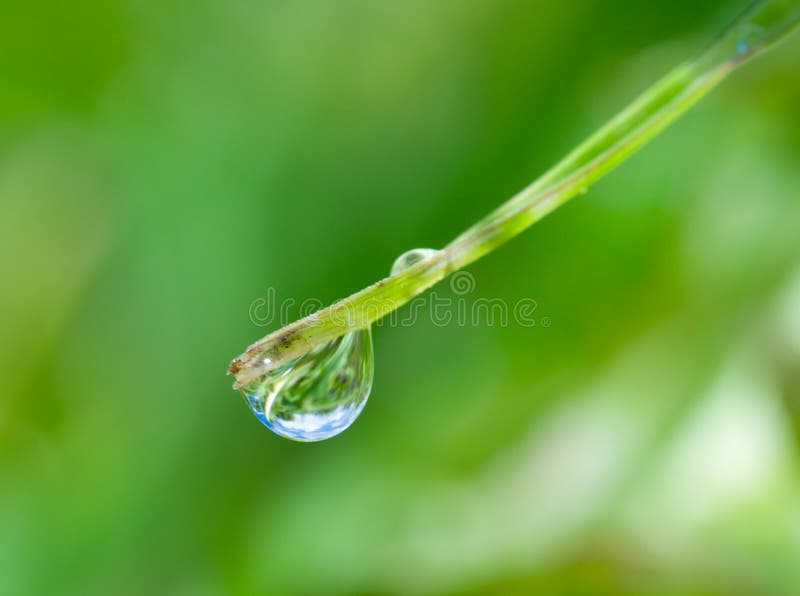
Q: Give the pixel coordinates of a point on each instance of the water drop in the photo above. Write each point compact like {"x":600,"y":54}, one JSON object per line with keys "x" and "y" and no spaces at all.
{"x":410,"y":258}
{"x":749,"y":36}
{"x":319,"y":394}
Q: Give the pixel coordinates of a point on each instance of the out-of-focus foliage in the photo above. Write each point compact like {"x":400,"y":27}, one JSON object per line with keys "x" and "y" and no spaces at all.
{"x":163,"y":163}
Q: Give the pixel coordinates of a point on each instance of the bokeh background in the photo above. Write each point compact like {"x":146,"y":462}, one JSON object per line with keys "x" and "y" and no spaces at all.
{"x":162,"y":164}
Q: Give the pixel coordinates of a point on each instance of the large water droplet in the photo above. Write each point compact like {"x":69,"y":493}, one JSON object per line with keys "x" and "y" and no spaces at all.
{"x":318,"y":394}
{"x":410,"y":258}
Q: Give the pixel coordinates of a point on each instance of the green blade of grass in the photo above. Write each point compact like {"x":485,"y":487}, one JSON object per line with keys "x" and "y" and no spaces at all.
{"x":757,"y":29}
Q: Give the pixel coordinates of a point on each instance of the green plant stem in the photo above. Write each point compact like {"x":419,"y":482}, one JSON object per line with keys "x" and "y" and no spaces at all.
{"x":759,"y":28}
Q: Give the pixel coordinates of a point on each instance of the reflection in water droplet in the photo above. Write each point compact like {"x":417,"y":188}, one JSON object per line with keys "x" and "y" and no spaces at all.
{"x":318,"y":394}
{"x":410,"y":258}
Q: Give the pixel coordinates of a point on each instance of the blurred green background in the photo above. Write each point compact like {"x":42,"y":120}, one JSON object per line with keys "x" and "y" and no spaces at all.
{"x":163,"y":163}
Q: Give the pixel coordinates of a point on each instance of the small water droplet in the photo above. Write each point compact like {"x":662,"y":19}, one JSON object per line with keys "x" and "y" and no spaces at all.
{"x":749,"y":35}
{"x":411,"y":258}
{"x":318,"y":394}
